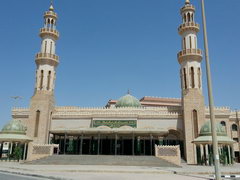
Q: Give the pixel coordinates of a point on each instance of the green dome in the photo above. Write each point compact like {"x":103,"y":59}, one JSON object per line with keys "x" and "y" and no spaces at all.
{"x":15,"y":127}
{"x":128,"y":101}
{"x":206,"y":129}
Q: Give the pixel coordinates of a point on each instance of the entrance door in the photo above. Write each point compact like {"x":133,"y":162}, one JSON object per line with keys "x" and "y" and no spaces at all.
{"x":127,"y":147}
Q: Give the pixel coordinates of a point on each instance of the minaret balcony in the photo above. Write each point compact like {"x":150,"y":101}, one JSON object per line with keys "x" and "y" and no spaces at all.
{"x":190,"y":54}
{"x":189,"y":26}
{"x":188,"y":7}
{"x":50,"y":14}
{"x":50,"y":32}
{"x":47,"y":58}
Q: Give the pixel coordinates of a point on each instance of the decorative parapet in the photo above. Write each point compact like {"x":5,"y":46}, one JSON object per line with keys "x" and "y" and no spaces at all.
{"x":50,"y":32}
{"x":50,"y":14}
{"x":47,"y":58}
{"x":78,"y":112}
{"x":187,"y":8}
{"x":189,"y":54}
{"x":219,"y":111}
{"x":169,"y":153}
{"x":20,"y":112}
{"x":188,"y":26}
{"x":235,"y":115}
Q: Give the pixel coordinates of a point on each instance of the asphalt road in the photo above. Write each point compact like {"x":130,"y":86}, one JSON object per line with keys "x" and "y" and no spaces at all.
{"x":6,"y":176}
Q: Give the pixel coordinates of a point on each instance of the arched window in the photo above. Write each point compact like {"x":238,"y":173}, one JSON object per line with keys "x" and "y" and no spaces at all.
{"x":234,"y":127}
{"x":192,"y":17}
{"x":195,"y":122}
{"x":199,"y":78}
{"x":49,"y":78}
{"x":188,"y":17}
{"x":37,"y":123}
{"x":41,"y":80}
{"x":185,"y":78}
{"x":185,"y":18}
{"x":223,"y":123}
{"x":192,"y":77}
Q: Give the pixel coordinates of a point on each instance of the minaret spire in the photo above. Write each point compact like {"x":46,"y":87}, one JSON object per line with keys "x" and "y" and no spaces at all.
{"x":51,"y":6}
{"x":187,"y":2}
{"x":46,"y":59}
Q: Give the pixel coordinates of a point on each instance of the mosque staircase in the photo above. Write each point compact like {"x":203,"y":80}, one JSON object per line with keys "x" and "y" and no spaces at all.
{"x":103,"y":160}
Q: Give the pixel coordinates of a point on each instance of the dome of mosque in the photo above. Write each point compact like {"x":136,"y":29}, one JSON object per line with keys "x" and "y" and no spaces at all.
{"x":128,"y":101}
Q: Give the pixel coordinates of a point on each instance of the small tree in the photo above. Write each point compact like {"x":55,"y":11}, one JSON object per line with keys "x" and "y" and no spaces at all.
{"x":17,"y":154}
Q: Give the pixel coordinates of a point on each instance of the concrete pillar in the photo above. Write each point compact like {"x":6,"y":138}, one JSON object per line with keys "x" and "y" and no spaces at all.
{"x":81,"y":144}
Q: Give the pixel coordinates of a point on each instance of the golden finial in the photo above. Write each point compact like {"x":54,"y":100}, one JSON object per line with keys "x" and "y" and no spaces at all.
{"x":51,"y":6}
{"x":187,"y":2}
{"x":128,"y":92}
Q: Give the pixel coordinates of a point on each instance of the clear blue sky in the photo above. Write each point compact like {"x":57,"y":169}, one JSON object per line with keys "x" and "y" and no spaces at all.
{"x":108,"y":46}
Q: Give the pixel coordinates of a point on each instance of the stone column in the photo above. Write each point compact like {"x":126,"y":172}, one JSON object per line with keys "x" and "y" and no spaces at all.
{"x":24,"y":151}
{"x":151,"y":147}
{"x":133,"y":144}
{"x":144,"y":147}
{"x":139,"y":145}
{"x":122,"y":144}
{"x":233,"y":155}
{"x":229,"y":154}
{"x":207,"y":156}
{"x":115,"y":144}
{"x":81,"y":144}
{"x":11,"y":146}
{"x":65,"y":140}
{"x":201,"y":152}
{"x":98,"y":144}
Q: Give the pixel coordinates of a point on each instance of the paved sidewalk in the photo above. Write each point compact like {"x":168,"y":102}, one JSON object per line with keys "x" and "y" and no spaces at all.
{"x":60,"y":172}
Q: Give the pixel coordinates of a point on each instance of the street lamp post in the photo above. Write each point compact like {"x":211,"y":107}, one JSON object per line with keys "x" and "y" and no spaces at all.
{"x":210,"y":99}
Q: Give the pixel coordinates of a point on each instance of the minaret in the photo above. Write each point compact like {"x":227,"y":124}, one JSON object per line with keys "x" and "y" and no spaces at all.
{"x":42,"y":102}
{"x":190,"y":58}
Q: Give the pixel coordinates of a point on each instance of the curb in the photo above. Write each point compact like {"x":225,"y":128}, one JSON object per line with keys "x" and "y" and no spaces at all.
{"x":33,"y":175}
{"x":229,"y":176}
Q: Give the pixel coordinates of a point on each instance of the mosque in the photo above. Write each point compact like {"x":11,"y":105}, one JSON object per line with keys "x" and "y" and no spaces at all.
{"x":127,"y":126}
